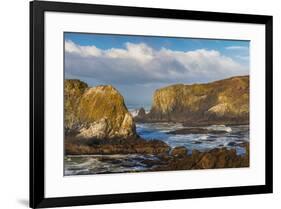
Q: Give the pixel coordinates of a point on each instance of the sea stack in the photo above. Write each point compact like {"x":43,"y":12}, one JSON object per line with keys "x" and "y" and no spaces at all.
{"x":220,"y":102}
{"x":100,"y":112}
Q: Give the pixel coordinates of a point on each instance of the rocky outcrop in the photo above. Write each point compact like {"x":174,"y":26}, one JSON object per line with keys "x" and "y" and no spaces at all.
{"x":215,"y":158}
{"x":179,"y":152}
{"x":141,"y":112}
{"x":197,"y":131}
{"x":129,"y":145}
{"x":220,"y":102}
{"x":98,"y":112}
{"x":166,"y":159}
{"x":73,"y":91}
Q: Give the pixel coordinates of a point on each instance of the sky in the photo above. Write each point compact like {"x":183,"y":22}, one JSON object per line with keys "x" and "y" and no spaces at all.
{"x":138,"y":65}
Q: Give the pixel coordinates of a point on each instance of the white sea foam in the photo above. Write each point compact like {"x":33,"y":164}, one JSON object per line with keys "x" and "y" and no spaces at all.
{"x":220,"y":128}
{"x":80,"y":165}
{"x":134,"y":112}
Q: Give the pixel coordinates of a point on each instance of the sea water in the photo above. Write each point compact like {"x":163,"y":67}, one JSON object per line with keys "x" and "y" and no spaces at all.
{"x":232,"y":138}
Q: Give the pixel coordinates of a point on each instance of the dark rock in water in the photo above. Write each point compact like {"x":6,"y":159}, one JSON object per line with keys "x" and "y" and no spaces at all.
{"x":215,"y":158}
{"x":150,"y":162}
{"x":141,"y":112}
{"x":220,"y":102}
{"x":179,"y":152}
{"x":197,"y":142}
{"x":197,"y":131}
{"x":232,"y":144}
{"x":165,"y":157}
{"x":243,"y":144}
{"x":209,"y":140}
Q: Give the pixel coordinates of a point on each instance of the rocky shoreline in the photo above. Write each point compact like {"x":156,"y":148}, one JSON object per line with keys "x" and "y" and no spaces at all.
{"x":197,"y":131}
{"x":215,"y":158}
{"x":178,"y":158}
{"x":97,"y":122}
{"x":75,"y":146}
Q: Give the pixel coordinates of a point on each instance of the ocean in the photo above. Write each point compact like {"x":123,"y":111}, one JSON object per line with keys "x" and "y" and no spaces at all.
{"x":94,"y":164}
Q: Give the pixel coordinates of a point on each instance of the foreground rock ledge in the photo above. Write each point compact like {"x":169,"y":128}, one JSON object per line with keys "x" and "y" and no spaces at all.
{"x":169,"y":159}
{"x":215,"y":158}
{"x":74,"y":146}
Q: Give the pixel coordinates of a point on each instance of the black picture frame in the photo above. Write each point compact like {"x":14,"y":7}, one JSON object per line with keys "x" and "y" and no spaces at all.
{"x":37,"y":195}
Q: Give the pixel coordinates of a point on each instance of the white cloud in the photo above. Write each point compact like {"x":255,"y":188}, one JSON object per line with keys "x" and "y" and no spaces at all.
{"x":141,"y":52}
{"x":141,"y":64}
{"x":237,"y":48}
{"x":84,"y":51}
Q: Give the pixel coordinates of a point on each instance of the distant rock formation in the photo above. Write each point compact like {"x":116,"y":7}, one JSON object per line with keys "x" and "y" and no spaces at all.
{"x":98,"y":112}
{"x":141,"y":112}
{"x":220,"y":102}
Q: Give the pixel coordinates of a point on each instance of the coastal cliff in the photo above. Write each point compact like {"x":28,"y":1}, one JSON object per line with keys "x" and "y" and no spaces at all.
{"x":220,"y":102}
{"x":97,"y":121}
{"x":98,"y":112}
{"x":73,"y":91}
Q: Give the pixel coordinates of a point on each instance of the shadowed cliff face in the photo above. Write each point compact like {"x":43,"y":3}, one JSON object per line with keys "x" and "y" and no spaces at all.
{"x":98,"y":112}
{"x":225,"y":101}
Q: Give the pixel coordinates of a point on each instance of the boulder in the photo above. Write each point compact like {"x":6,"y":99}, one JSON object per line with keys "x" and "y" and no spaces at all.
{"x":215,"y":158}
{"x":179,"y":151}
{"x":207,"y":161}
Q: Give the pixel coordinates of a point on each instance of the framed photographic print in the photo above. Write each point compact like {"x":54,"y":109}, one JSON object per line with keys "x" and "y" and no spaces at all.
{"x":135,"y":104}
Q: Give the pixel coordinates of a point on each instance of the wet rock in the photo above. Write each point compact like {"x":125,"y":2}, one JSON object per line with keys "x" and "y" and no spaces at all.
{"x":215,"y":158}
{"x":207,"y":161}
{"x":243,"y":144}
{"x":74,"y":146}
{"x":141,"y":112}
{"x":179,"y":152}
{"x":195,"y":154}
{"x":197,"y":142}
{"x":197,"y":131}
{"x":232,"y":144}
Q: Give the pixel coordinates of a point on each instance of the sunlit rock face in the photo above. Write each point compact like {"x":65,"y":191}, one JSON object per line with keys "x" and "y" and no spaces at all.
{"x":99,"y":112}
{"x":225,"y":101}
{"x":73,"y":91}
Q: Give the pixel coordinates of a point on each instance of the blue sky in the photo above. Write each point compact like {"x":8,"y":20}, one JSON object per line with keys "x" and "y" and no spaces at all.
{"x":140,"y":64}
{"x":181,"y":44}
